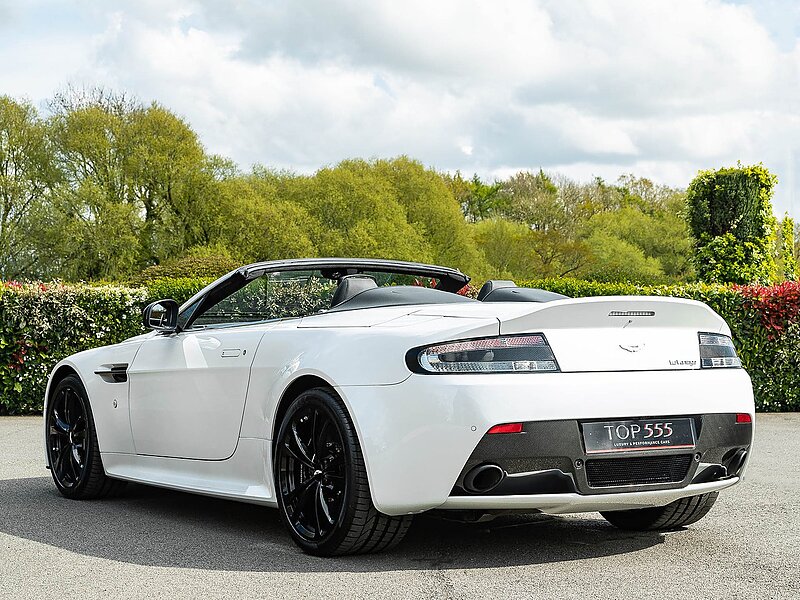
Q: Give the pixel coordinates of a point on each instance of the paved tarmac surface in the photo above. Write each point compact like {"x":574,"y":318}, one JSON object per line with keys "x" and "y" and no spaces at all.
{"x":158,"y":544}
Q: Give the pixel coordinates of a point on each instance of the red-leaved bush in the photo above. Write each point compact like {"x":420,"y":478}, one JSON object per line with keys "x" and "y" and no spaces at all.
{"x":777,"y":305}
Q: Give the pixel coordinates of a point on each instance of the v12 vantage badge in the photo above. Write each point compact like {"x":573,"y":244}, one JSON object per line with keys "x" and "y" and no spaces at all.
{"x":352,"y":394}
{"x":682,"y":363}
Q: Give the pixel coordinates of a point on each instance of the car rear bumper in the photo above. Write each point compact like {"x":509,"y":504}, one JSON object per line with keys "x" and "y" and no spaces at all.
{"x":420,"y":436}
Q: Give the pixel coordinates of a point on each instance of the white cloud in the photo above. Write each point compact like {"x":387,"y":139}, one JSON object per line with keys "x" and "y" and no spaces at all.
{"x":660,"y":89}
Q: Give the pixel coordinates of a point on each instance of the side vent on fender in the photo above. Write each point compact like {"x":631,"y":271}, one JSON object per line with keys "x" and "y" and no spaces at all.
{"x":117,"y":373}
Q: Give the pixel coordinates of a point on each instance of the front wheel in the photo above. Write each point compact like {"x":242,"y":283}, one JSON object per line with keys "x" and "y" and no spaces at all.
{"x":72,"y":450}
{"x":321,"y":481}
{"x":677,"y":514}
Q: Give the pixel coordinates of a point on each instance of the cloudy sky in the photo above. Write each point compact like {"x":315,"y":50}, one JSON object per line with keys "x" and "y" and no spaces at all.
{"x":659,"y":89}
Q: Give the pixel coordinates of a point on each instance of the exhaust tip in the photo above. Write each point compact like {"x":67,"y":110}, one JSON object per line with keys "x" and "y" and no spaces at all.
{"x":733,"y":461}
{"x":483,"y":478}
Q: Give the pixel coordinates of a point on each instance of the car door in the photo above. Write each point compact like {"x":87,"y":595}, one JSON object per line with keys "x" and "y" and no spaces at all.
{"x":188,"y":391}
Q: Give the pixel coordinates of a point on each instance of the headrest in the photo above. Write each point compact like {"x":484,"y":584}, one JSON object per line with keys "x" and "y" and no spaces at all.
{"x":350,"y":286}
{"x":494,"y":284}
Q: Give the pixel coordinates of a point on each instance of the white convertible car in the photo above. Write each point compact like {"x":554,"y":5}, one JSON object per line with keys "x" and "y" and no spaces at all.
{"x":352,"y":394}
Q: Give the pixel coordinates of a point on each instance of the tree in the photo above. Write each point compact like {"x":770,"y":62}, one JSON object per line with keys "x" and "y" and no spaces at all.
{"x":253,"y":224}
{"x":87,"y":236}
{"x":661,"y":235}
{"x":515,"y":250}
{"x":615,"y":259}
{"x":506,"y":245}
{"x":357,"y":211}
{"x":433,"y":211}
{"x":731,"y":220}
{"x":786,"y":252}
{"x":172,"y":180}
{"x":27,"y":174}
{"x":142,"y":163}
{"x":477,"y":200}
{"x":533,"y":199}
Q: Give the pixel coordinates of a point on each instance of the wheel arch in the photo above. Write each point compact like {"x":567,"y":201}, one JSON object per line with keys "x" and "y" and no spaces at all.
{"x":61,"y":372}
{"x":292,"y":391}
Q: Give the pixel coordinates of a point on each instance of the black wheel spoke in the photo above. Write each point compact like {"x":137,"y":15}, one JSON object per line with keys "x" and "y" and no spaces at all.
{"x":298,"y":456}
{"x":80,"y":424}
{"x":61,"y":426}
{"x":59,"y":466}
{"x":300,"y":445}
{"x":321,"y":436}
{"x":302,"y":502}
{"x":323,"y":505}
{"x":300,"y":489}
{"x":317,"y":492}
{"x":312,"y":441}
{"x":67,"y":412}
{"x":74,"y":466}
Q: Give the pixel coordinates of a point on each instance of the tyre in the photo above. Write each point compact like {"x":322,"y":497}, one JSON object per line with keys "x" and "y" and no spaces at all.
{"x":72,"y":450}
{"x":321,"y":481}
{"x":677,"y":514}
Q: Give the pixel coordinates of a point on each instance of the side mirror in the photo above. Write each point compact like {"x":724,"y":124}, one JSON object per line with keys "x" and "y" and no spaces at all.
{"x":161,"y":315}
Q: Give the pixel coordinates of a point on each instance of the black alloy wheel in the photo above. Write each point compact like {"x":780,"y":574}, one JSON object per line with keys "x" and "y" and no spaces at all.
{"x":321,"y":481}
{"x":312,"y":472}
{"x":73,"y":454}
{"x":67,"y":425}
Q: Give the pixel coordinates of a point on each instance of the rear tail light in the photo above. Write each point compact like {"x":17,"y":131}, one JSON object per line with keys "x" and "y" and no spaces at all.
{"x":744,"y":418}
{"x":529,"y":353}
{"x":717,"y":350}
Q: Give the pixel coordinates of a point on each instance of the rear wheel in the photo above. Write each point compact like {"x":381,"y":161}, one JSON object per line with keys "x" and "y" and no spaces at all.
{"x":72,"y":450}
{"x":321,"y":481}
{"x":677,"y":514}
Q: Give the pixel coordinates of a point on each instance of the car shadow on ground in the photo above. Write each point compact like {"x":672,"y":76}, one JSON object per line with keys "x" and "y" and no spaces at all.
{"x":154,"y":527}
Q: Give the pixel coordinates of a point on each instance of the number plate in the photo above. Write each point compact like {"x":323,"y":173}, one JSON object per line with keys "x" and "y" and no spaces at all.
{"x":639,"y":434}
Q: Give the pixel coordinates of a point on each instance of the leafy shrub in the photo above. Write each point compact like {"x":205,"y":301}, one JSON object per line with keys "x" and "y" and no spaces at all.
{"x":43,"y":323}
{"x":179,"y":289}
{"x":731,"y":220}
{"x":196,"y":267}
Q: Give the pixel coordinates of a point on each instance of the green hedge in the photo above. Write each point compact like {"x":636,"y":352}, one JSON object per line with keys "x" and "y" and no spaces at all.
{"x":43,"y":323}
{"x":179,"y":289}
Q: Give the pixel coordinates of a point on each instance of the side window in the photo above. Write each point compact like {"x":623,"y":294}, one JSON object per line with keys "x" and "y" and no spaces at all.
{"x":272,"y":296}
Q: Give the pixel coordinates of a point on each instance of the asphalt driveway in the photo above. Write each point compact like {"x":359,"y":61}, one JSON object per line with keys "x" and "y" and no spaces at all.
{"x":153,"y":543}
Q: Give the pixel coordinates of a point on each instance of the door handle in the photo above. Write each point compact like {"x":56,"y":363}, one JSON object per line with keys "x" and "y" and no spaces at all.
{"x":231,"y":352}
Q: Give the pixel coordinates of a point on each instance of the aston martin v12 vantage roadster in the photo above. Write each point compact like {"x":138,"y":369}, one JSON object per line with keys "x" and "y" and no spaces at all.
{"x":352,"y":394}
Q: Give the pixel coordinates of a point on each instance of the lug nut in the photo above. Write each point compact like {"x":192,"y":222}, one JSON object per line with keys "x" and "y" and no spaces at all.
{"x":579,"y":464}
{"x":697,"y":457}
